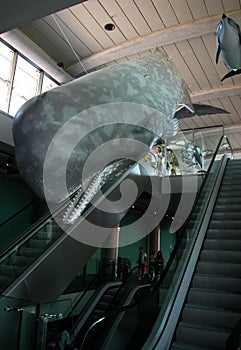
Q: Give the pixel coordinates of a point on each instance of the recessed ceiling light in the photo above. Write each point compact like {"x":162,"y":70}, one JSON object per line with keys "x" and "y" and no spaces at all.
{"x":109,"y":27}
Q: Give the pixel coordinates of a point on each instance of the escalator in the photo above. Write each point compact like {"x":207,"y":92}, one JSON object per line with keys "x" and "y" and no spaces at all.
{"x":20,"y":207}
{"x":213,"y":304}
{"x":91,"y":325}
{"x":42,"y":263}
{"x":96,"y":330}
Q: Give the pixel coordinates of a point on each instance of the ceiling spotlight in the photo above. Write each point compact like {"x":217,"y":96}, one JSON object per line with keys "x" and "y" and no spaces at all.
{"x":109,"y":27}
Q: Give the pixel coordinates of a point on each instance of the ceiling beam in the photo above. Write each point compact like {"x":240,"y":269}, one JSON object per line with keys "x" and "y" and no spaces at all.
{"x":150,"y":41}
{"x":211,"y":94}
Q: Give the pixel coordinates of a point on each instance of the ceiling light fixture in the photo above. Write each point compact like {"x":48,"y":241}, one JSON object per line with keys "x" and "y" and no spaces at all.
{"x":109,"y":27}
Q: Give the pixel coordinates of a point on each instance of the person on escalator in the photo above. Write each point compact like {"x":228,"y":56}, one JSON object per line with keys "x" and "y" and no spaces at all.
{"x":59,"y":341}
{"x":159,"y":264}
{"x":142,"y":259}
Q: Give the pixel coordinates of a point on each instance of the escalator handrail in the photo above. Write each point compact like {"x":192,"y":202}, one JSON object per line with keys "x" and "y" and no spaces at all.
{"x":18,"y":213}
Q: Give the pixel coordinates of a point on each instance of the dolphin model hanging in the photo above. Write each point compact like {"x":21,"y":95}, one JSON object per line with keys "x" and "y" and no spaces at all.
{"x":125,"y":107}
{"x":228,"y":42}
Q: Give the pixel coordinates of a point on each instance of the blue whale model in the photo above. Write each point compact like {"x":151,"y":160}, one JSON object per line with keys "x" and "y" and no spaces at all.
{"x":76,"y":135}
{"x":228,"y":41}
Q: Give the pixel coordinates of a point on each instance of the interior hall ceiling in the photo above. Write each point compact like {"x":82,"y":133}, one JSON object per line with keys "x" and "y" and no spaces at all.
{"x":76,"y":39}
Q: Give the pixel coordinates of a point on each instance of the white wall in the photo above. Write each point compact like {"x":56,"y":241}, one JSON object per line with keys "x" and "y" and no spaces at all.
{"x":6,"y":122}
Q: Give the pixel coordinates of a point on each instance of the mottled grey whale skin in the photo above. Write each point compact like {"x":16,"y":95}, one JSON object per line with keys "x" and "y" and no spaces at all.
{"x":228,"y":41}
{"x":127,"y":95}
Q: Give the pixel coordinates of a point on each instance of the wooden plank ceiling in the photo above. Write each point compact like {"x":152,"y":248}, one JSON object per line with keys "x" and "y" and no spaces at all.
{"x":184,"y":29}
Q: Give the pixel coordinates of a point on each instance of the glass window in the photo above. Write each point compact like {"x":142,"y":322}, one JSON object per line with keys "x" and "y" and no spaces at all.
{"x":24,"y":85}
{"x":48,"y":84}
{"x":6,"y":56}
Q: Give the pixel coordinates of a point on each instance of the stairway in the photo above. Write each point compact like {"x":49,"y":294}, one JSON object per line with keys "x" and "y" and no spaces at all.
{"x":98,"y":336}
{"x":23,"y":256}
{"x":88,"y":337}
{"x":213,"y":304}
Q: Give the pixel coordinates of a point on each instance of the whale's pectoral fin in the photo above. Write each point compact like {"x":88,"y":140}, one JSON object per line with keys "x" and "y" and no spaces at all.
{"x":218,"y":52}
{"x":199,"y":109}
{"x":231,"y":74}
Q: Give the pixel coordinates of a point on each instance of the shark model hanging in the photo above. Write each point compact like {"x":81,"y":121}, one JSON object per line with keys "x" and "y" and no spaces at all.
{"x":124,"y":106}
{"x":228,"y":41}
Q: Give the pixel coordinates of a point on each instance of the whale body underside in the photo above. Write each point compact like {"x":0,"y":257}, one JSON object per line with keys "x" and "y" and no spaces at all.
{"x":57,"y":132}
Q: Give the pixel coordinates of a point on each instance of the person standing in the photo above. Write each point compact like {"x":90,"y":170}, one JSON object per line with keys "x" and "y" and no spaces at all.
{"x":142,"y":259}
{"x":159,"y":264}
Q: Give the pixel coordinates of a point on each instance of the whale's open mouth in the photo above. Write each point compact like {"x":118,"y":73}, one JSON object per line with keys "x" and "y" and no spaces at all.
{"x":84,"y":197}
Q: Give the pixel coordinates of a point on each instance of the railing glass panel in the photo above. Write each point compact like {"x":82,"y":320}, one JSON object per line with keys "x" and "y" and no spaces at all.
{"x":18,"y":323}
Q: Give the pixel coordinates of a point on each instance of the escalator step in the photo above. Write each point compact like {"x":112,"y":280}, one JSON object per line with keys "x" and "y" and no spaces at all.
{"x":214,"y":298}
{"x":223,"y":283}
{"x":102,"y":305}
{"x":225,"y":189}
{"x":107,"y":298}
{"x":179,"y":345}
{"x":223,"y":234}
{"x":4,"y":282}
{"x":230,"y":193}
{"x":222,"y":244}
{"x":49,"y":236}
{"x":228,"y":200}
{"x":214,"y":337}
{"x":112,"y":291}
{"x":224,"y":255}
{"x":230,"y":224}
{"x":30,"y":252}
{"x":210,"y":316}
{"x":219,"y":268}
{"x":38,"y":243}
{"x":231,"y":216}
{"x":223,"y":208}
{"x":228,"y":180}
{"x":21,"y":260}
{"x":232,"y":169}
{"x":10,"y":271}
{"x":97,"y":313}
